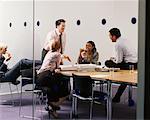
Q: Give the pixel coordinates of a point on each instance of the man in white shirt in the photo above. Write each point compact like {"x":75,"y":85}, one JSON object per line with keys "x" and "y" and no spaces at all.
{"x":57,"y":34}
{"x":125,"y":56}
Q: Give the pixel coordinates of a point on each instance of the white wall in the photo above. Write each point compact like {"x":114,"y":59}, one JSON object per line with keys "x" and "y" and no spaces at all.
{"x":18,"y":38}
{"x":129,"y":9}
{"x":118,"y":13}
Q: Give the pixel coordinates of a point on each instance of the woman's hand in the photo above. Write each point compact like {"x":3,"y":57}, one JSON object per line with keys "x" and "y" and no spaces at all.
{"x":67,"y":57}
{"x":57,"y":70}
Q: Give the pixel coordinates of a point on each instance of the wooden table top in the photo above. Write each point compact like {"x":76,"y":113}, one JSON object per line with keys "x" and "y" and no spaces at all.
{"x":119,"y":76}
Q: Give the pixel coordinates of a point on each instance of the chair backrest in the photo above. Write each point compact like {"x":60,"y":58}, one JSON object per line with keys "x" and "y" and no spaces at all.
{"x":82,"y":85}
{"x":27,"y":76}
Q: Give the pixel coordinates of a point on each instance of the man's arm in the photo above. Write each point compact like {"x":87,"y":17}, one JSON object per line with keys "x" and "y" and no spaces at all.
{"x":119,"y":53}
{"x":3,"y":66}
{"x":64,"y":43}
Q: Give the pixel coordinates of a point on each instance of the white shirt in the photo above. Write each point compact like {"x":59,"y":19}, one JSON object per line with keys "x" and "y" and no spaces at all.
{"x":54,"y":35}
{"x":124,"y":52}
{"x":51,"y":61}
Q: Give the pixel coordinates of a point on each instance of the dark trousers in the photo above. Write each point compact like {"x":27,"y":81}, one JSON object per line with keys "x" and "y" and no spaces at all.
{"x":15,"y":71}
{"x":44,"y":52}
{"x":56,"y":85}
{"x":123,"y":66}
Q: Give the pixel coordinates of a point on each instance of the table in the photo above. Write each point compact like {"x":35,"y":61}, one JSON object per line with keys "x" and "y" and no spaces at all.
{"x":121,"y":76}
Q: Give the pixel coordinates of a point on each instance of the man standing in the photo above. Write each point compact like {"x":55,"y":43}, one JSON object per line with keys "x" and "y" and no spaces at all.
{"x":125,"y":56}
{"x":57,"y":34}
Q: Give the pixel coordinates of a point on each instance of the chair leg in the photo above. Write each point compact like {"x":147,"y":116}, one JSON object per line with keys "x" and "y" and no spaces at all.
{"x":91,"y":105}
{"x":91,"y":110}
{"x":20,"y":106}
{"x":74,"y":113}
{"x":12,"y":98}
{"x":73,"y":107}
{"x":17,"y":89}
{"x":39,"y":97}
{"x":76,"y":107}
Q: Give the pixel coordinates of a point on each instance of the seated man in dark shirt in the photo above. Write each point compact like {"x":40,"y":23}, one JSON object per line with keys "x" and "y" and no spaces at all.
{"x":12,"y":74}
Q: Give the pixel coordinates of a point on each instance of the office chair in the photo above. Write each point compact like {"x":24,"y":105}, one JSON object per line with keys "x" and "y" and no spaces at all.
{"x":26,"y":79}
{"x":83,"y":90}
{"x":2,"y":80}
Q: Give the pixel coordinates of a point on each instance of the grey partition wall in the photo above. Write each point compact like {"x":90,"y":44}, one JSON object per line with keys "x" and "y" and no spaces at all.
{"x":147,"y":63}
{"x":16,"y":31}
{"x":144,"y":61}
{"x":141,"y":63}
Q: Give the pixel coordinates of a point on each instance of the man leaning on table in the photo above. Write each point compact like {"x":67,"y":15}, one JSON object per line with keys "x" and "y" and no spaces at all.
{"x":125,"y":56}
{"x":57,"y":34}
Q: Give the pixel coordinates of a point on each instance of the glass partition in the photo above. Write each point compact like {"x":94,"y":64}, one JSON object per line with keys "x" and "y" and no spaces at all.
{"x":26,"y":28}
{"x":88,"y":21}
{"x":16,"y":36}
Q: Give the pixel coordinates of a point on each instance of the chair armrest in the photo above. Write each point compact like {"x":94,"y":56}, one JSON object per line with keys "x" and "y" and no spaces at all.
{"x":2,"y":74}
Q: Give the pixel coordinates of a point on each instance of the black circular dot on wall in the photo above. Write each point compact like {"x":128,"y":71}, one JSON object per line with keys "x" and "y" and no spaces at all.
{"x":25,"y":24}
{"x":78,"y":22}
{"x":38,"y":23}
{"x":133,"y":20}
{"x":10,"y":24}
{"x":103,"y":21}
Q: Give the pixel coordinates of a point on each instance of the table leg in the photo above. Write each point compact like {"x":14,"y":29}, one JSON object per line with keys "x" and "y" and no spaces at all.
{"x":109,"y":100}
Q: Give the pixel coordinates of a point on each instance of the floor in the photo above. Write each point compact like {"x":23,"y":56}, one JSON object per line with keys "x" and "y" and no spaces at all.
{"x":11,"y":112}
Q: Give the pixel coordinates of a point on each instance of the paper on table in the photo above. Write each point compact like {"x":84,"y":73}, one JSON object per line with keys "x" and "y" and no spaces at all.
{"x":99,"y":76}
{"x":68,"y":67}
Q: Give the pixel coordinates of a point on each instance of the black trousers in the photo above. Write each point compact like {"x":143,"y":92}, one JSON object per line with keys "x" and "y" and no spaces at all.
{"x":123,"y":66}
{"x":44,"y":52}
{"x":57,"y":86}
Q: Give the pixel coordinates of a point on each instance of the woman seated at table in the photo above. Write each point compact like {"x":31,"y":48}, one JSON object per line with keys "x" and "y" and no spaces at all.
{"x":88,"y":54}
{"x":49,"y":77}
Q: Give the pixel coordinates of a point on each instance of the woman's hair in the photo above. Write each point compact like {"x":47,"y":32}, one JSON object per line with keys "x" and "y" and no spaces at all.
{"x":93,"y":44}
{"x":55,"y":45}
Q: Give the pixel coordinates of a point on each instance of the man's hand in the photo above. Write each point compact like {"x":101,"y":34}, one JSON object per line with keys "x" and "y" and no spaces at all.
{"x":113,"y":59}
{"x":7,"y":56}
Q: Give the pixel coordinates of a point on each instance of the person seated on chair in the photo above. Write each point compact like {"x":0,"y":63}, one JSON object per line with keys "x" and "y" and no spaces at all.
{"x":125,"y":56}
{"x":48,"y":77}
{"x":88,"y":54}
{"x":11,"y":75}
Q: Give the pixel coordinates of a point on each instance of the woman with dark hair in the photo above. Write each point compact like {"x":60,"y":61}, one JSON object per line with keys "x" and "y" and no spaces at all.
{"x":89,"y":54}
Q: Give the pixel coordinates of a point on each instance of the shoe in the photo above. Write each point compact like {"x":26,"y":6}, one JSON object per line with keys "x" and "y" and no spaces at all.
{"x":53,"y":113}
{"x":116,"y":100}
{"x":54,"y":107}
{"x":131,"y":102}
{"x":15,"y":82}
{"x":47,"y":108}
